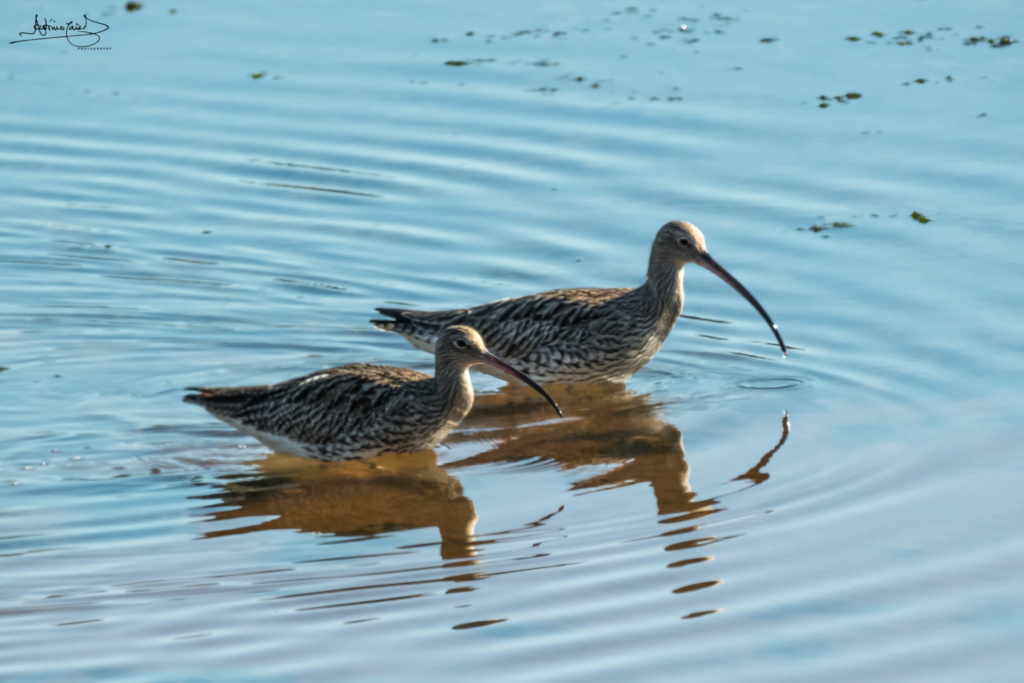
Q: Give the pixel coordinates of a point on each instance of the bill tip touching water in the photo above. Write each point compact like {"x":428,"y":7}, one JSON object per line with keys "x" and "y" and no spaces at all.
{"x":586,"y":335}
{"x":361,"y":410}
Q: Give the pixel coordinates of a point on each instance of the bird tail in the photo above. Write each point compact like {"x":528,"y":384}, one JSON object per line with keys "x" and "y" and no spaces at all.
{"x":195,"y":398}
{"x":398,"y":316}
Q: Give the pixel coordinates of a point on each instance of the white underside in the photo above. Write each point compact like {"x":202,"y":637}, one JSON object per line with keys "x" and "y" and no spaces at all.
{"x":422,"y":343}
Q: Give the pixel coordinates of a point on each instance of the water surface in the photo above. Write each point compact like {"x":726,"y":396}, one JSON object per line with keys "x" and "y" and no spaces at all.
{"x":172,"y":219}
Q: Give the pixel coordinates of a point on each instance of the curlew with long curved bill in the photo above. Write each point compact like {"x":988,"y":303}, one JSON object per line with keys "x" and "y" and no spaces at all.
{"x":583,"y":335}
{"x":361,"y":410}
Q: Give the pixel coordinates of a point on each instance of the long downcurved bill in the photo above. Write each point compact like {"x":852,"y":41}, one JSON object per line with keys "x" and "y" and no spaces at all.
{"x":494,"y":361}
{"x":711,"y":264}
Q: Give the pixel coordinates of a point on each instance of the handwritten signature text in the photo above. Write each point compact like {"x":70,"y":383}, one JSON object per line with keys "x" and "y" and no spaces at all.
{"x":78,"y":34}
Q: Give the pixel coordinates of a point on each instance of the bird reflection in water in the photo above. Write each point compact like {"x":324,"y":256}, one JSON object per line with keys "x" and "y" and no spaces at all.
{"x":608,"y":427}
{"x":611,"y":427}
{"x":359,"y":498}
{"x":605,"y":425}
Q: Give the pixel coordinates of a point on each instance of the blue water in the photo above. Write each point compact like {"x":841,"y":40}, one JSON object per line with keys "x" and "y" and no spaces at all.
{"x":170,"y":220}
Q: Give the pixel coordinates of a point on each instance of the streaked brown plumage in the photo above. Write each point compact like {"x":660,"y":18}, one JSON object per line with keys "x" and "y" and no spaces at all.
{"x":360,"y":410}
{"x":583,"y":335}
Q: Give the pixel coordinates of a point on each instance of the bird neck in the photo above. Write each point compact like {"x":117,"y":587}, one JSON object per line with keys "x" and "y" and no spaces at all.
{"x":454,"y":389}
{"x":664,"y":288}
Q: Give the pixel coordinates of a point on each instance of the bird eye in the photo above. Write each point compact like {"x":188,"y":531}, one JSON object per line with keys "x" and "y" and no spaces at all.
{"x":461,"y":343}
{"x":683,"y":242}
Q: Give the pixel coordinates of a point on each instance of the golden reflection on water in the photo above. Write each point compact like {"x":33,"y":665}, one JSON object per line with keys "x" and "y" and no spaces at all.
{"x":393,"y":492}
{"x":616,"y":430}
{"x":608,"y":426}
{"x":603,"y":425}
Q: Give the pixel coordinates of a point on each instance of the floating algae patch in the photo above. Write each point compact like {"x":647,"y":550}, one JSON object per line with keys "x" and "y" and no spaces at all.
{"x":842,"y":99}
{"x":922,"y":81}
{"x":904,"y":37}
{"x":1001,"y":41}
{"x":908,"y":37}
{"x":920,"y":217}
{"x":835,"y":225}
{"x":466,"y":62}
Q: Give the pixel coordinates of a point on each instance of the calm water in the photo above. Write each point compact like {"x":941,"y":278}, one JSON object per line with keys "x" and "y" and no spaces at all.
{"x":170,"y":220}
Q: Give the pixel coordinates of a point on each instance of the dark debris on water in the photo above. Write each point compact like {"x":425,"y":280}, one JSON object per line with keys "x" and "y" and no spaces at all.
{"x":835,"y":225}
{"x":1001,"y":41}
{"x":466,"y":62}
{"x":842,"y":99}
{"x":910,"y":37}
{"x":922,"y":81}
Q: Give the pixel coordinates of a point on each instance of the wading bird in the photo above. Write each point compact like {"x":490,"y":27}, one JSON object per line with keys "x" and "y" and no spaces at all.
{"x":583,"y":335}
{"x":360,"y":410}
